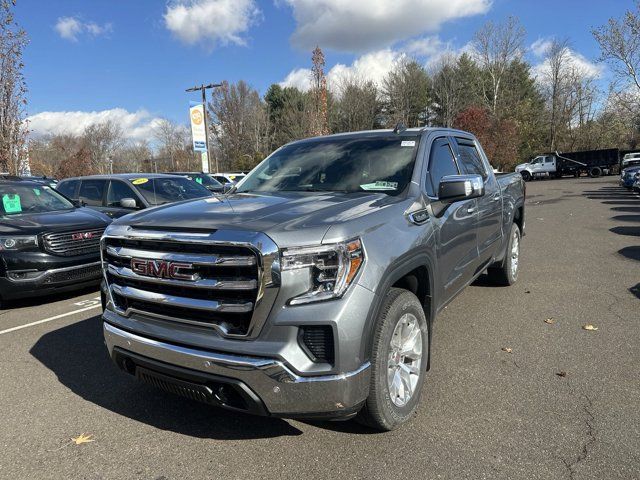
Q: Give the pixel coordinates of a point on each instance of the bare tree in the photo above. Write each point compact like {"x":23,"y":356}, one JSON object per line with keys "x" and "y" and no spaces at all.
{"x":319,"y":93}
{"x":102,"y":140}
{"x":12,"y":89}
{"x":446,"y":90}
{"x":496,"y":46}
{"x":620,"y":45}
{"x":172,"y":140}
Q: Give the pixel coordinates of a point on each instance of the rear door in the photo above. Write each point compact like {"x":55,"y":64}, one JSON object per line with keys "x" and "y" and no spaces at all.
{"x":92,"y":192}
{"x":457,"y":244}
{"x":471,"y":162}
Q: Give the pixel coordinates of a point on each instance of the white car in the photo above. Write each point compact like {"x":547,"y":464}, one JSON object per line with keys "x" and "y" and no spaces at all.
{"x":228,"y":178}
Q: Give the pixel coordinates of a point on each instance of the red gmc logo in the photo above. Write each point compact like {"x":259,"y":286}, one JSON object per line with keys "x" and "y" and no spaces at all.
{"x":162,"y":269}
{"x":82,"y":236}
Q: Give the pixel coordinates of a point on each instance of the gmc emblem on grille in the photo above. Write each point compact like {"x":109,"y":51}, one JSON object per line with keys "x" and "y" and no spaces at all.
{"x":163,"y":269}
{"x":82,"y":236}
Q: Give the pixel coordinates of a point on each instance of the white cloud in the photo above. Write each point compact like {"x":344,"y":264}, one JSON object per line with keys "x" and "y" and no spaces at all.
{"x":362,"y":25}
{"x":574,"y":60}
{"x":372,"y":66}
{"x":135,"y":125}
{"x":70,"y":28}
{"x":425,"y":47}
{"x":212,"y":22}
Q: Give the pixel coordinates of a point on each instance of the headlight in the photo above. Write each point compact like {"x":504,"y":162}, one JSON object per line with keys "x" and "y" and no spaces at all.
{"x":332,"y":268}
{"x":18,"y":242}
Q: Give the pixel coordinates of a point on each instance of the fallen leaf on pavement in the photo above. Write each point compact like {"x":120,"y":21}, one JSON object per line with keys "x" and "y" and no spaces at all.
{"x":550,"y":321}
{"x":527,"y":291}
{"x":590,"y":327}
{"x":507,"y":349}
{"x":82,"y":438}
{"x":561,"y":373}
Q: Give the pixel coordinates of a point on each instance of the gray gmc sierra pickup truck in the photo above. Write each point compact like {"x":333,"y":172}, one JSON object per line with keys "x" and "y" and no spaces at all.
{"x":310,"y":290}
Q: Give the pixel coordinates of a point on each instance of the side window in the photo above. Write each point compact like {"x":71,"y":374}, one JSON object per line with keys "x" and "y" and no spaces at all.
{"x":441,"y":164}
{"x":117,"y":191}
{"x":92,"y":192}
{"x":470,"y":161}
{"x":68,"y":188}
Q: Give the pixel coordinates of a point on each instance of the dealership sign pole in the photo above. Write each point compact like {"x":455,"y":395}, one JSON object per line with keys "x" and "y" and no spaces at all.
{"x":198,"y":120}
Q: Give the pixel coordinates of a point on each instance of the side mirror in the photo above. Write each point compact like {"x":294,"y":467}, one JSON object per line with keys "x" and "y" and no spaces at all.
{"x":78,"y":203}
{"x":454,"y":188}
{"x":128,"y":203}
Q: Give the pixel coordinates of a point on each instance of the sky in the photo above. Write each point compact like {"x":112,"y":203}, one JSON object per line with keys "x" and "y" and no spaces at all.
{"x":130,"y":61}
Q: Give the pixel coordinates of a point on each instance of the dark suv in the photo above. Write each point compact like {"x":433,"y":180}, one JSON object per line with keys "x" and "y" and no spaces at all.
{"x":119,"y":194}
{"x":47,"y":244}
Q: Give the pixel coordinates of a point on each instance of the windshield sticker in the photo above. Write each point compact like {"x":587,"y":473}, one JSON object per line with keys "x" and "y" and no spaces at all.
{"x":11,"y":203}
{"x":199,"y":180}
{"x":139,"y":181}
{"x":36,"y":191}
{"x":408,"y":143}
{"x":380,"y":185}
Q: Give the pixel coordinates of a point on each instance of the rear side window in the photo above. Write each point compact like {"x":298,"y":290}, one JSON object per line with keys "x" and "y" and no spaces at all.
{"x":68,"y":188}
{"x":470,"y":161}
{"x":92,"y":192}
{"x":117,"y":191}
{"x":441,"y":164}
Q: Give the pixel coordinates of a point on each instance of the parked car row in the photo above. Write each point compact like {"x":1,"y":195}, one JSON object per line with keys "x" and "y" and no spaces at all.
{"x":50,"y":231}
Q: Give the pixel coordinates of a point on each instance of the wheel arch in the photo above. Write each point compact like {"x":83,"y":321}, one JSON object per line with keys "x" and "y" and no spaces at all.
{"x":414,"y":273}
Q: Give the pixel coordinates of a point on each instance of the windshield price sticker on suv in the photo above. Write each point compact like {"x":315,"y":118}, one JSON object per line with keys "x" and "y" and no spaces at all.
{"x":11,"y":203}
{"x":380,"y":185}
{"x":139,"y":181}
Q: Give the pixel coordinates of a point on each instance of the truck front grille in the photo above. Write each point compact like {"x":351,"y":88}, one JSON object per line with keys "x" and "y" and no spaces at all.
{"x":211,"y":285}
{"x":68,"y":244}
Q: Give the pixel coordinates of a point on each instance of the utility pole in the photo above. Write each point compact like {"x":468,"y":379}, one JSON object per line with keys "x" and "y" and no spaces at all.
{"x":203,"y":88}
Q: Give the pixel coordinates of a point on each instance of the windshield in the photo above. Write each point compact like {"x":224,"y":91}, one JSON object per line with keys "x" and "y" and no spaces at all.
{"x":25,"y":199}
{"x":348,"y":164}
{"x":204,"y":179}
{"x":158,"y":191}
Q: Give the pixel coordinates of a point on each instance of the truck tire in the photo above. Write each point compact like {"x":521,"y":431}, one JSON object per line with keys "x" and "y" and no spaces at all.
{"x":526,"y":176}
{"x":398,"y":362}
{"x":595,"y":172}
{"x":507,"y":273}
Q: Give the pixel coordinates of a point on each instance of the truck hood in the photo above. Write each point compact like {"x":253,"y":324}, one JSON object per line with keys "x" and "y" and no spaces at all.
{"x":289,"y":218}
{"x":521,"y":167}
{"x":64,"y":220}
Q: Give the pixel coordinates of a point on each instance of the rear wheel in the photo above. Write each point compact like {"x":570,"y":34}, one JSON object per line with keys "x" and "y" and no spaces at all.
{"x":526,"y":176}
{"x":398,"y":362}
{"x":507,"y":273}
{"x":595,"y":172}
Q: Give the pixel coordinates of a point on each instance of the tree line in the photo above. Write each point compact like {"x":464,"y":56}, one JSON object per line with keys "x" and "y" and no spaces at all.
{"x":516,"y":109}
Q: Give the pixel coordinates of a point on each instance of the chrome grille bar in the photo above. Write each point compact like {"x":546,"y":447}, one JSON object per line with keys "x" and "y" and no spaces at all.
{"x":206,"y":283}
{"x":182,"y":302}
{"x":195,"y":258}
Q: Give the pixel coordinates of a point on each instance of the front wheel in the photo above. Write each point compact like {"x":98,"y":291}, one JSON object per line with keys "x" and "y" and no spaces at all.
{"x":507,"y":273}
{"x":398,"y":362}
{"x":526,"y":176}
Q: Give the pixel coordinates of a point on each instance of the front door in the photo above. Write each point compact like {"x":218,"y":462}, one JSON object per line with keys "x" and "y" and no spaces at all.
{"x":456,"y":224}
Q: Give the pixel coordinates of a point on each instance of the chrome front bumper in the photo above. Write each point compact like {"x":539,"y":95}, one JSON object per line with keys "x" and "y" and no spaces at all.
{"x":283,"y":392}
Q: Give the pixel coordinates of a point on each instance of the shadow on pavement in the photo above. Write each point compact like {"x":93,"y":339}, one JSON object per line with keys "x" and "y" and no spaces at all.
{"x":632,"y":253}
{"x":636,"y":290}
{"x":78,"y":356}
{"x":626,"y":218}
{"x":627,"y":209}
{"x":629,"y":231}
{"x":56,"y":297}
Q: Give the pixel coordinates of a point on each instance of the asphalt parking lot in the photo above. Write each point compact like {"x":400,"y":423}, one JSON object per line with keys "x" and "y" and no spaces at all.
{"x":564,"y":402}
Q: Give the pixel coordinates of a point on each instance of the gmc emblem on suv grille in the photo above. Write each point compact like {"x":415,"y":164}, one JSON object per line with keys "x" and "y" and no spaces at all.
{"x":162,"y":269}
{"x":82,"y":236}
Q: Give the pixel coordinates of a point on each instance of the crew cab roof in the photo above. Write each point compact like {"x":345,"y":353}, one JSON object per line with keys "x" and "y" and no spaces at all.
{"x":388,"y":131}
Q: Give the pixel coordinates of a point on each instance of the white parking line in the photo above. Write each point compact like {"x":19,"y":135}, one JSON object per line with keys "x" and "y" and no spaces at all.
{"x":50,"y":319}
